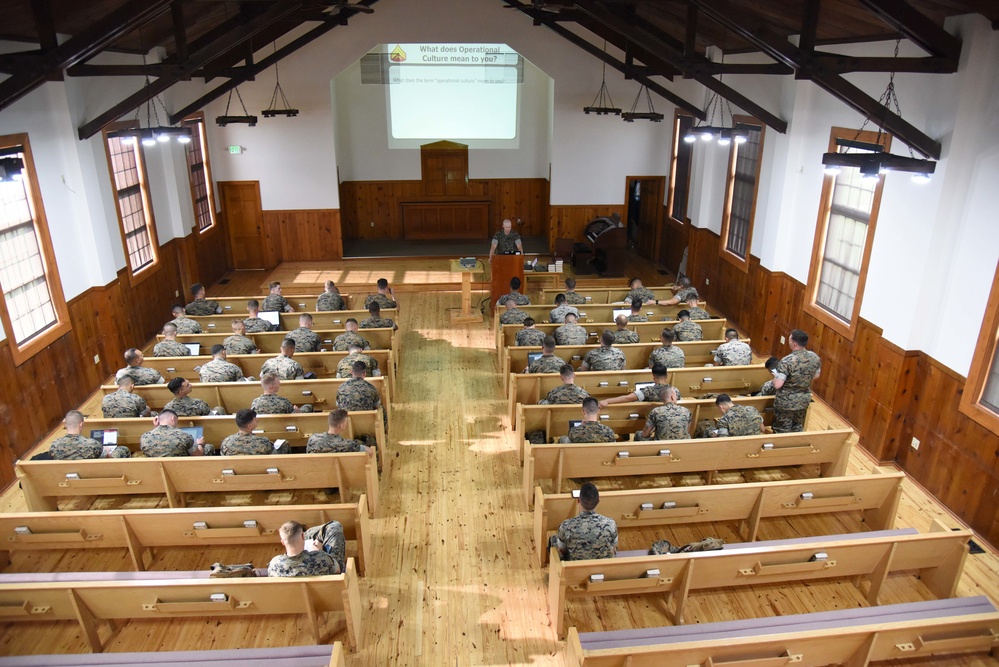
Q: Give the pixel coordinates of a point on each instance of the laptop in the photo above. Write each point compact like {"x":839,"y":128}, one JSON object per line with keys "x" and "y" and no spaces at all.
{"x":467,"y":262}
{"x":271,"y":316}
{"x":194,"y":431}
{"x":574,"y":423}
{"x":195,"y":348}
{"x":620,"y":311}
{"x":642,"y":386}
{"x":533,"y":356}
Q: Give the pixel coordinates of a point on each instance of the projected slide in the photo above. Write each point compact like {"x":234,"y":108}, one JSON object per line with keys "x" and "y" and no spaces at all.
{"x":450,"y":91}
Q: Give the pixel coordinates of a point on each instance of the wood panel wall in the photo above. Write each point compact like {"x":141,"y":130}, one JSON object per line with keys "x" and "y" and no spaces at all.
{"x":364,"y":202}
{"x":308,"y":235}
{"x":568,"y":222}
{"x":889,"y":394}
{"x":106,"y":321}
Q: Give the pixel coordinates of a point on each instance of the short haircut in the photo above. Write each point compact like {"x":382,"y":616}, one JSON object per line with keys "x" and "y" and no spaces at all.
{"x":305,"y":317}
{"x":275,"y":284}
{"x":253,"y":303}
{"x":216,"y":348}
{"x":683,"y":314}
{"x":169,"y":328}
{"x":350,"y":320}
{"x":515,"y":283}
{"x":125,"y":380}
{"x":692,"y":297}
{"x":270,"y":379}
{"x":382,"y":283}
{"x":290,"y":530}
{"x":337,"y":416}
{"x":722,"y":398}
{"x":668,"y":335}
{"x":570,"y":283}
{"x":237,"y":322}
{"x":548,"y":343}
{"x":245,"y":417}
{"x":510,"y":304}
{"x":175,"y":385}
{"x":589,"y":497}
{"x":684,"y":281}
{"x":590,"y":405}
{"x":799,"y":337}
{"x":177,"y":309}
{"x":636,"y":304}
{"x":631,"y":283}
{"x":169,"y":414}
{"x":559,"y":298}
{"x":374,"y":308}
{"x":354,"y":345}
{"x":572,"y":315}
{"x":288,"y":342}
{"x":771,"y":363}
{"x":566,"y":371}
{"x":621,"y":320}
{"x":74,"y":418}
{"x":330,"y":285}
{"x":529,"y":322}
{"x":731,"y":334}
{"x":607,"y":337}
{"x":195,"y":288}
{"x":659,"y":370}
{"x":359,"y":367}
{"x":132,"y":354}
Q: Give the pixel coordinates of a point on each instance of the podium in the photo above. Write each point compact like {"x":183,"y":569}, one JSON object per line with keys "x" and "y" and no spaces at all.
{"x":466,"y":314}
{"x":505,"y":267}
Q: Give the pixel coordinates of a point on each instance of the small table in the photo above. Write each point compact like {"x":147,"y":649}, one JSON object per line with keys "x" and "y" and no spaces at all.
{"x":466,"y":314}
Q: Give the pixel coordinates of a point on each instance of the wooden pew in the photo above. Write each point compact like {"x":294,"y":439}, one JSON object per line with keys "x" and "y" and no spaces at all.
{"x":236,"y":305}
{"x":938,"y":556}
{"x":624,"y":418}
{"x":321,"y":655}
{"x":529,"y":388}
{"x":830,"y":450}
{"x":322,"y":320}
{"x":97,"y":597}
{"x":912,"y":632}
{"x":45,"y":482}
{"x":607,"y":294}
{"x":269,"y":342}
{"x":142,"y":531}
{"x":875,"y":496}
{"x":233,"y":396}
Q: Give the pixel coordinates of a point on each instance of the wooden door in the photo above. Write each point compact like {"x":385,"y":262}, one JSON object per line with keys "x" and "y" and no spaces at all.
{"x":244,"y":218}
{"x":649,"y":213}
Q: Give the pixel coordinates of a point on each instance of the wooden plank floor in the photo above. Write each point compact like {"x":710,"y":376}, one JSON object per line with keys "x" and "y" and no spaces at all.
{"x":452,"y":580}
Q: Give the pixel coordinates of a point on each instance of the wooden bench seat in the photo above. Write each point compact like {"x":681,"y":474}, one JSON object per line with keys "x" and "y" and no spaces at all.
{"x":269,"y":342}
{"x":45,"y":482}
{"x":600,"y":312}
{"x":89,"y":597}
{"x":875,"y":496}
{"x":321,"y":320}
{"x":853,"y":637}
{"x":141,"y":531}
{"x":830,"y":450}
{"x":300,"y":302}
{"x":938,"y":557}
{"x":321,"y":655}
{"x":610,"y":294}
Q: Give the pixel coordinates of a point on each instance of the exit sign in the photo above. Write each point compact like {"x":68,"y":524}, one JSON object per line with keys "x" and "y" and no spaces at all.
{"x":235,"y":150}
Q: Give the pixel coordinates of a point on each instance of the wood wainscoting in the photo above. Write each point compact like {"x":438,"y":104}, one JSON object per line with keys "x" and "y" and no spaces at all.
{"x":569,"y":221}
{"x":889,"y":394}
{"x":307,"y":235}
{"x":106,"y":321}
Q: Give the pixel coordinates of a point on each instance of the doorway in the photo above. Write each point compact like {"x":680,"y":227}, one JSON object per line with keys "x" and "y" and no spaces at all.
{"x":645,"y":198}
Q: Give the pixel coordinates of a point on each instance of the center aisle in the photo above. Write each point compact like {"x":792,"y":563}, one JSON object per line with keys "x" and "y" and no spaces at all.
{"x":453,"y":579}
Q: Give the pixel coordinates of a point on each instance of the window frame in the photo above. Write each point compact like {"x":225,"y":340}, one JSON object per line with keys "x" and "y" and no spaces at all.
{"x":846,"y":329}
{"x":25,"y":351}
{"x":741,"y":263}
{"x":135,"y":277}
{"x":198,"y":118}
{"x":981,"y":364}
{"x":678,"y":143}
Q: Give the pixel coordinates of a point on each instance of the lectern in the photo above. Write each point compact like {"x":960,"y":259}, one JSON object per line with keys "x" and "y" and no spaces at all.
{"x":505,"y":267}
{"x":466,"y":314}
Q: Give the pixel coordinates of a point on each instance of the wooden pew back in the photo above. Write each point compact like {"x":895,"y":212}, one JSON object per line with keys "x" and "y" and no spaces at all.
{"x":321,"y":320}
{"x":601,"y":312}
{"x":696,"y":353}
{"x":650,"y":332}
{"x":269,"y":342}
{"x":597,"y":295}
{"x":236,"y":305}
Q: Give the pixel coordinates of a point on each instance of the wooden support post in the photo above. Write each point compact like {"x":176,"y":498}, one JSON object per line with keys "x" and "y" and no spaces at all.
{"x":86,"y":620}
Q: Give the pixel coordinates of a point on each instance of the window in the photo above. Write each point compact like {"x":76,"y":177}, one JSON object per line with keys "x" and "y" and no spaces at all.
{"x":34,"y":312}
{"x":135,"y":214}
{"x":740,"y":194}
{"x":200,"y":173}
{"x":679,"y":170}
{"x":844,"y":234}
{"x":980,"y":398}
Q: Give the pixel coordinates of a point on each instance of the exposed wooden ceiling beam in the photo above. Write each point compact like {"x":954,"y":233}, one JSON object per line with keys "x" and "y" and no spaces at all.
{"x":916,"y":27}
{"x":179,"y":30}
{"x":838,"y":64}
{"x":198,"y":59}
{"x":44,"y":24}
{"x":79,"y":47}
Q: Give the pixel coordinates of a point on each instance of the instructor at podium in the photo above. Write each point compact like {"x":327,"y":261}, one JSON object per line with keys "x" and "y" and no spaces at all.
{"x":506,"y":242}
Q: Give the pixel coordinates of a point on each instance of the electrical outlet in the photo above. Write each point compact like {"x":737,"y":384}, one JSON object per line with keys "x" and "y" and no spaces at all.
{"x":915,"y":443}
{"x":372,"y":223}
{"x":176,"y":292}
{"x":97,"y":359}
{"x":783,"y":340}
{"x":707,"y":281}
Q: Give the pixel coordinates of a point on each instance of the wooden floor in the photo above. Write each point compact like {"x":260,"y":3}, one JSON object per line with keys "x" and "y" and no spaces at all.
{"x":453,"y":580}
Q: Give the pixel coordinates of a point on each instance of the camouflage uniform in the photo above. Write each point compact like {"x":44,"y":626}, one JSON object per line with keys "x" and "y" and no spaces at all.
{"x":357,"y":394}
{"x":605,"y":359}
{"x":141,"y":375}
{"x":566,"y":394}
{"x":286,"y":368}
{"x":513,"y":316}
{"x":574,"y":299}
{"x":687,"y":331}
{"x":591,"y":432}
{"x":251,"y":444}
{"x":330,"y":301}
{"x":767,"y":389}
{"x":670,"y":357}
{"x":188,"y":407}
{"x":638,"y":318}
{"x":185,"y":325}
{"x":653,"y":394}
{"x":570,"y":334}
{"x":740,"y":420}
{"x":166,"y":441}
{"x":306,"y":340}
{"x":698,"y":313}
{"x":506,"y":242}
{"x":331,"y":560}
{"x":626,"y":337}
{"x":798,"y":369}
{"x":530,"y":337}
{"x":257,"y":325}
{"x":274,"y":302}
{"x":734,"y":353}
{"x":329,"y":443}
{"x":549,"y":363}
{"x":383,"y":301}
{"x":236,"y":344}
{"x":219,"y":370}
{"x":272,"y":404}
{"x":516,"y":297}
{"x":670,"y":422}
{"x":643,"y":293}
{"x":74,"y":447}
{"x":122,"y":404}
{"x":684,"y":294}
{"x":346,"y":365}
{"x":170,"y":348}
{"x":342,"y":342}
{"x":557,"y":314}
{"x":377,"y":323}
{"x":203,"y":307}
{"x":586,"y":536}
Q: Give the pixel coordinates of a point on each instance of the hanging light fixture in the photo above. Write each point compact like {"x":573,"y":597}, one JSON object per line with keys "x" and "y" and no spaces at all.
{"x":152,"y":133}
{"x":603,"y":104}
{"x":226,"y":119}
{"x":633,"y":115}
{"x":724,"y":134}
{"x":870,"y":157}
{"x":273,"y":110}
